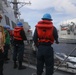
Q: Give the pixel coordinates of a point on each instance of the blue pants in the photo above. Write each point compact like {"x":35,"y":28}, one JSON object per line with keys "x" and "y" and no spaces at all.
{"x":18,"y":52}
{"x":45,"y":56}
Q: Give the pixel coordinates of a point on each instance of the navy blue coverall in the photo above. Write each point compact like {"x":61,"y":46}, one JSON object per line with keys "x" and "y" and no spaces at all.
{"x":45,"y":54}
{"x":19,"y":49}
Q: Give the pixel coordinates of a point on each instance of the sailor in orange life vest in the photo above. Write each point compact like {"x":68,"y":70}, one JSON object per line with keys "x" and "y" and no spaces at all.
{"x":19,"y":37}
{"x":44,"y":35}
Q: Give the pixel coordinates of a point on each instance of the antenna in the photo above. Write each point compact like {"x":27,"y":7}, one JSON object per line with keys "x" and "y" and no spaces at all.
{"x":16,"y":8}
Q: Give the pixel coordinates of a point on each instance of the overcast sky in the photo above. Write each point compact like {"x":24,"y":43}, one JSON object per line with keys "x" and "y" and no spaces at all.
{"x":60,"y":10}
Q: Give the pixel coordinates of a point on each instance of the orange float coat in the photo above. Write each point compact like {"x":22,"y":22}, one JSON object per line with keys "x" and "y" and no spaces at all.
{"x":16,"y":34}
{"x":45,"y":31}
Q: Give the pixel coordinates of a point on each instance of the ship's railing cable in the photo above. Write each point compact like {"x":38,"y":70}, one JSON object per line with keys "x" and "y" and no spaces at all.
{"x":65,"y":59}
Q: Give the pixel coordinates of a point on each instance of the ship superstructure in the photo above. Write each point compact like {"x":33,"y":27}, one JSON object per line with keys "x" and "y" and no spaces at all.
{"x":27,"y":27}
{"x":7,"y":14}
{"x":11,"y":15}
{"x":68,"y":30}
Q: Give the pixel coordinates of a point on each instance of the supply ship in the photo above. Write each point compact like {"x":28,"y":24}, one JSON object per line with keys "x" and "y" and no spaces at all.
{"x":67,"y":31}
{"x":11,"y":16}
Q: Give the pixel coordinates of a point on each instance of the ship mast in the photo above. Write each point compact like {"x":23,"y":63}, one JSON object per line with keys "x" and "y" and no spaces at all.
{"x":16,"y":8}
{"x":1,"y":7}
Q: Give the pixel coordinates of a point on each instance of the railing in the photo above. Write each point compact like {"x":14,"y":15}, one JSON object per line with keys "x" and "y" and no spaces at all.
{"x":65,"y":61}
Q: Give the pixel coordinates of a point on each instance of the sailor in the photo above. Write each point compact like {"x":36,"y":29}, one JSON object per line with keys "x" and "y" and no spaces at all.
{"x":2,"y":40}
{"x":44,"y":35}
{"x":7,"y":42}
{"x":11,"y":35}
{"x":19,"y":37}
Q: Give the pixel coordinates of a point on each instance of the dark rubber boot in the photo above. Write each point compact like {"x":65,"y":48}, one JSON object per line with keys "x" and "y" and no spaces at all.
{"x":20,"y":66}
{"x":15,"y":65}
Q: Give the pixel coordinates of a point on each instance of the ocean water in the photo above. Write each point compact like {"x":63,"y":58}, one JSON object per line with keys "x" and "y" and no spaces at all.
{"x":65,"y":48}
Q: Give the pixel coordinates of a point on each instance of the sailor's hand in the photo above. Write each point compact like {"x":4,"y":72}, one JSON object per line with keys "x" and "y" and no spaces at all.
{"x":36,"y":45}
{"x":57,"y":42}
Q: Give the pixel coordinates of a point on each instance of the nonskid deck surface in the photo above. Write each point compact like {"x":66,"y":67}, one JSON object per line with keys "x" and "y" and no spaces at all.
{"x":8,"y":67}
{"x":9,"y":70}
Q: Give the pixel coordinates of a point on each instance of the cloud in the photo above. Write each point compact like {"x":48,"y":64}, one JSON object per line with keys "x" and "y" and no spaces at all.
{"x":59,"y":9}
{"x":67,"y":6}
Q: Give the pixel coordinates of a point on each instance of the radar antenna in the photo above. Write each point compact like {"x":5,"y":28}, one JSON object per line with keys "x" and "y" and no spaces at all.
{"x":16,"y":8}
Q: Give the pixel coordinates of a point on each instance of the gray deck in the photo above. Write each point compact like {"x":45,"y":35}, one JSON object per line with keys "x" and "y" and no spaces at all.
{"x":8,"y":67}
{"x":8,"y":70}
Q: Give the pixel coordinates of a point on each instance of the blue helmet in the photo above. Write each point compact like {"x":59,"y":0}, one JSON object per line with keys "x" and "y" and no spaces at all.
{"x":19,"y":24}
{"x":47,"y":16}
{"x":6,"y":26}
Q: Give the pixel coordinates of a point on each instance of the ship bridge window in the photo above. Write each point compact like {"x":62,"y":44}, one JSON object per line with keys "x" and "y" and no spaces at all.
{"x":7,"y":20}
{"x":13,"y":24}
